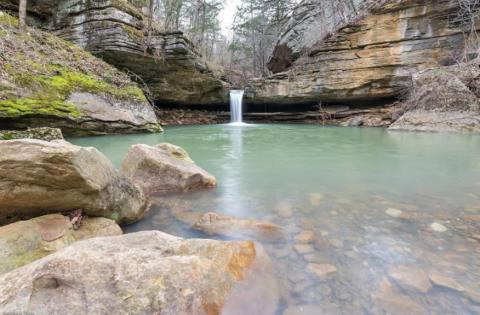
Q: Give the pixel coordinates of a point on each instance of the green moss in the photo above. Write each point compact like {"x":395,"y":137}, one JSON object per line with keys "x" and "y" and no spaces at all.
{"x":37,"y":106}
{"x":7,"y":19}
{"x":126,"y":6}
{"x":133,"y":33}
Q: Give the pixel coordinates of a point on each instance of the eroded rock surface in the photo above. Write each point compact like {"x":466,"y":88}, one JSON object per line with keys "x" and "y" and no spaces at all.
{"x":164,"y":168}
{"x":363,"y":51}
{"x":116,"y":31}
{"x":45,"y":133}
{"x":38,"y":177}
{"x":25,"y":241}
{"x":445,"y":99}
{"x":144,"y":273}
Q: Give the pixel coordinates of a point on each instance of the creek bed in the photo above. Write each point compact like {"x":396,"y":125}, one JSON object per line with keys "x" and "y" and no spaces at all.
{"x":374,"y":221}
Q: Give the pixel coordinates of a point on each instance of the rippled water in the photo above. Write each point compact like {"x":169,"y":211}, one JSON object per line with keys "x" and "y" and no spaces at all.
{"x":337,"y":184}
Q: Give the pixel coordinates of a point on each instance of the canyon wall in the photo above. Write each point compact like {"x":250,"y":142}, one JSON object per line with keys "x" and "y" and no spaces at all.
{"x":365,"y":51}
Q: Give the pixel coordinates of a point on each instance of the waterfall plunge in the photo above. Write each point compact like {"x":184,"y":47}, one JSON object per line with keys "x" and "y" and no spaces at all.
{"x":236,"y":100}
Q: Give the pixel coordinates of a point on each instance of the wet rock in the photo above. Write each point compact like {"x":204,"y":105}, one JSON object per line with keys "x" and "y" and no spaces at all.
{"x":164,"y":168}
{"x":437,"y":227}
{"x":284,"y":209}
{"x":43,"y":133}
{"x":146,"y":272}
{"x":410,"y":278}
{"x":213,"y":223}
{"x":322,"y":271}
{"x":62,"y":177}
{"x":314,"y":258}
{"x":315,"y":199}
{"x":304,"y":248}
{"x":311,"y":309}
{"x":392,"y":302}
{"x":25,"y":241}
{"x":445,"y":282}
{"x":305,"y":237}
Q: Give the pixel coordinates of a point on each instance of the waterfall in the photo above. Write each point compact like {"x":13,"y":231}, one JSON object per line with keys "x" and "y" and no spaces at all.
{"x":236,"y":99}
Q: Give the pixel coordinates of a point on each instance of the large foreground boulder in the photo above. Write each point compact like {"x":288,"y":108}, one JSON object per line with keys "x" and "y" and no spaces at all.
{"x":444,"y":99}
{"x":144,"y":273}
{"x":39,"y":177}
{"x":25,"y":241}
{"x":164,"y":168}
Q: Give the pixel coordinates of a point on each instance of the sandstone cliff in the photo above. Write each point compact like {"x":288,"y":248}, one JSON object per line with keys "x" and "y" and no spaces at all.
{"x":115,"y":30}
{"x":46,"y":81}
{"x":363,"y":51}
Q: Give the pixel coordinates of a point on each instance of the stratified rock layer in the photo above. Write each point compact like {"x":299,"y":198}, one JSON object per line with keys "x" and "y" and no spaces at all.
{"x":25,"y":241}
{"x":164,"y":168}
{"x":116,"y":31}
{"x":144,"y":273}
{"x":48,"y":82}
{"x":38,"y":177}
{"x":367,"y":55}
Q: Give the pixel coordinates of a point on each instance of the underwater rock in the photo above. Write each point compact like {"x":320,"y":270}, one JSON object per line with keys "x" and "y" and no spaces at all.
{"x":39,"y":177}
{"x":213,"y":223}
{"x":25,"y":241}
{"x":445,"y":282}
{"x":410,"y":278}
{"x":322,"y":270}
{"x":306,"y":236}
{"x":145,"y":273}
{"x":396,"y":213}
{"x":437,"y":227}
{"x":43,"y":133}
{"x":164,"y":168}
{"x":389,"y":301}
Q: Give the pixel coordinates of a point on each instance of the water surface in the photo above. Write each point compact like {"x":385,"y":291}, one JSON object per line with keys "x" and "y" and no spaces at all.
{"x":338,"y":184}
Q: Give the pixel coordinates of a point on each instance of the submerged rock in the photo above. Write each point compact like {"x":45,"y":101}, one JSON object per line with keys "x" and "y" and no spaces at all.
{"x":25,"y":241}
{"x":389,"y":301}
{"x":213,"y":223}
{"x":395,"y":213}
{"x":437,"y":227}
{"x":445,"y":282}
{"x":410,"y":278}
{"x":145,"y":273}
{"x":39,"y":177}
{"x":322,"y":271}
{"x":43,"y":133}
{"x":164,"y":168}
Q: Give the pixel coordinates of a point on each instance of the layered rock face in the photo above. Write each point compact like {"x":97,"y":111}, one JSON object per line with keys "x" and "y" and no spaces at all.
{"x":164,"y":168}
{"x":144,"y":273}
{"x":46,"y":81}
{"x":115,"y":30}
{"x":362,"y":52}
{"x":38,"y":177}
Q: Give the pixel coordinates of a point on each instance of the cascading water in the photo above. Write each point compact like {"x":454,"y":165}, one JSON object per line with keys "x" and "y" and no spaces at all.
{"x":236,"y":100}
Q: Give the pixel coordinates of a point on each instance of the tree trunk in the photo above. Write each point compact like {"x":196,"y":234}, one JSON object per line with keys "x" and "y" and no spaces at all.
{"x":22,"y":13}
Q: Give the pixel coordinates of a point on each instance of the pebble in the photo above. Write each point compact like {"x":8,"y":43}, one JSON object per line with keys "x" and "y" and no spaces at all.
{"x":445,"y":282}
{"x":322,"y":270}
{"x":396,"y":213}
{"x":315,"y":199}
{"x":410,"y":278}
{"x":437,"y":227}
{"x":304,"y":248}
{"x":314,"y":258}
{"x":284,"y":210}
{"x":305,"y":237}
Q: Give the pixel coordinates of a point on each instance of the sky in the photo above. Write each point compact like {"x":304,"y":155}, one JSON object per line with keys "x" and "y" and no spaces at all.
{"x":227,"y":15}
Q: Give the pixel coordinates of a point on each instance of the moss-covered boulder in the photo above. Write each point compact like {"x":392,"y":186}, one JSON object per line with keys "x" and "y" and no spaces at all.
{"x":46,"y":81}
{"x":25,"y":241}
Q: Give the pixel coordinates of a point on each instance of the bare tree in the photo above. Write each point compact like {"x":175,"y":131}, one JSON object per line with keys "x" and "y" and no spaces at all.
{"x":469,"y":16}
{"x":22,"y":13}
